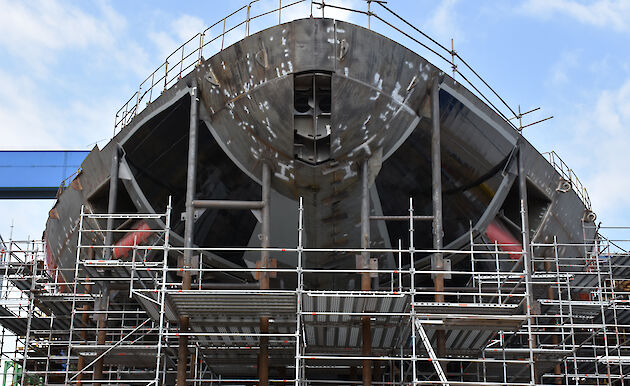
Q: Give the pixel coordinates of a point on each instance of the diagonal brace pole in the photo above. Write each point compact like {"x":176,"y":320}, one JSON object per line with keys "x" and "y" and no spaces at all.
{"x":111,"y":348}
{"x":434,"y":358}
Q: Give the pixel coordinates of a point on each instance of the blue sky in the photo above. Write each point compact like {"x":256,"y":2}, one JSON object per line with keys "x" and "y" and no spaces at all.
{"x":67,"y":66}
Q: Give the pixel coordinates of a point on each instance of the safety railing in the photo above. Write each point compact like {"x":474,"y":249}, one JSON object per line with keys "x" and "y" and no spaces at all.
{"x":569,"y":175}
{"x":185,"y":57}
{"x":215,"y":38}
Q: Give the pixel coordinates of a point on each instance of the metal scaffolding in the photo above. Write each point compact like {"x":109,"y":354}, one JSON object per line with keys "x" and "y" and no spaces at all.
{"x":124,"y":314}
{"x":139,"y":308}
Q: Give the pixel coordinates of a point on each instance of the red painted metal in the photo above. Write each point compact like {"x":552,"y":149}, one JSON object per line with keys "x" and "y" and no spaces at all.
{"x":52,"y":268}
{"x":141,"y":233}
{"x":497,"y":232}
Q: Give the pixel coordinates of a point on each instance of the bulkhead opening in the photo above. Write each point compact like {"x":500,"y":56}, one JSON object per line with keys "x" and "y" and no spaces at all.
{"x":312,"y":116}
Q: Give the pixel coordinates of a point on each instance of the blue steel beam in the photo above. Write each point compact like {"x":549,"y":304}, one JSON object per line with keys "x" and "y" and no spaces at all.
{"x":36,"y":174}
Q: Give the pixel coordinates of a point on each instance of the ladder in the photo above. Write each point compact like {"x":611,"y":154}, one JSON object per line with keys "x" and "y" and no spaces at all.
{"x":432,"y":356}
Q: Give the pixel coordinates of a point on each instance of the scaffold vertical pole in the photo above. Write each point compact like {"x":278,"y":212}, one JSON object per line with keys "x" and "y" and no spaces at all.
{"x":263,"y":356}
{"x":84,"y":319}
{"x":561,"y":301}
{"x":613,"y":296}
{"x":101,"y":335}
{"x":32,"y":257}
{"x":48,"y":349}
{"x":601,"y":299}
{"x":300,"y":278}
{"x":75,"y":280}
{"x":366,"y":280}
{"x":554,"y":338}
{"x":162,"y":292}
{"x":412,"y":293}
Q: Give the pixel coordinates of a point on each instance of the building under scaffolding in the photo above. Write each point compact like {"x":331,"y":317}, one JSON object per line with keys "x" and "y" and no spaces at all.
{"x":316,"y":204}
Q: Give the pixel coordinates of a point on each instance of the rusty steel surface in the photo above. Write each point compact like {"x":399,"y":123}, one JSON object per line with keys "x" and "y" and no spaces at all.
{"x":379,"y":111}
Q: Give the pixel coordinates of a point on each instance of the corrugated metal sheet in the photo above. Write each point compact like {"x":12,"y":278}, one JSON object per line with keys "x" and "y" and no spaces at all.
{"x":342,"y":331}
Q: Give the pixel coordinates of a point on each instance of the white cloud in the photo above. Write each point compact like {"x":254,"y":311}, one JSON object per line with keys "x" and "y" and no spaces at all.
{"x":46,"y":105}
{"x":26,"y":219}
{"x":601,"y":13}
{"x":25,"y":121}
{"x":443,"y":23}
{"x":559,"y":71}
{"x":600,"y":145}
{"x":29,"y":119}
{"x":37,"y":30}
{"x":48,"y":25}
{"x":187,"y":26}
{"x":180,"y":30}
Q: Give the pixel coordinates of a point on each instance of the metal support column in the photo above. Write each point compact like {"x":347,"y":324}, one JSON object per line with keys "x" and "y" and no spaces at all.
{"x":436,"y":195}
{"x":101,"y":335}
{"x":527,"y":266}
{"x":366,"y":285}
{"x":263,"y":355}
{"x":111,"y":203}
{"x":184,"y":322}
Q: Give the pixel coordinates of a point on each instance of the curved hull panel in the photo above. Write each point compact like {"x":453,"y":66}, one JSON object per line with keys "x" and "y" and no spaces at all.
{"x":314,"y":99}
